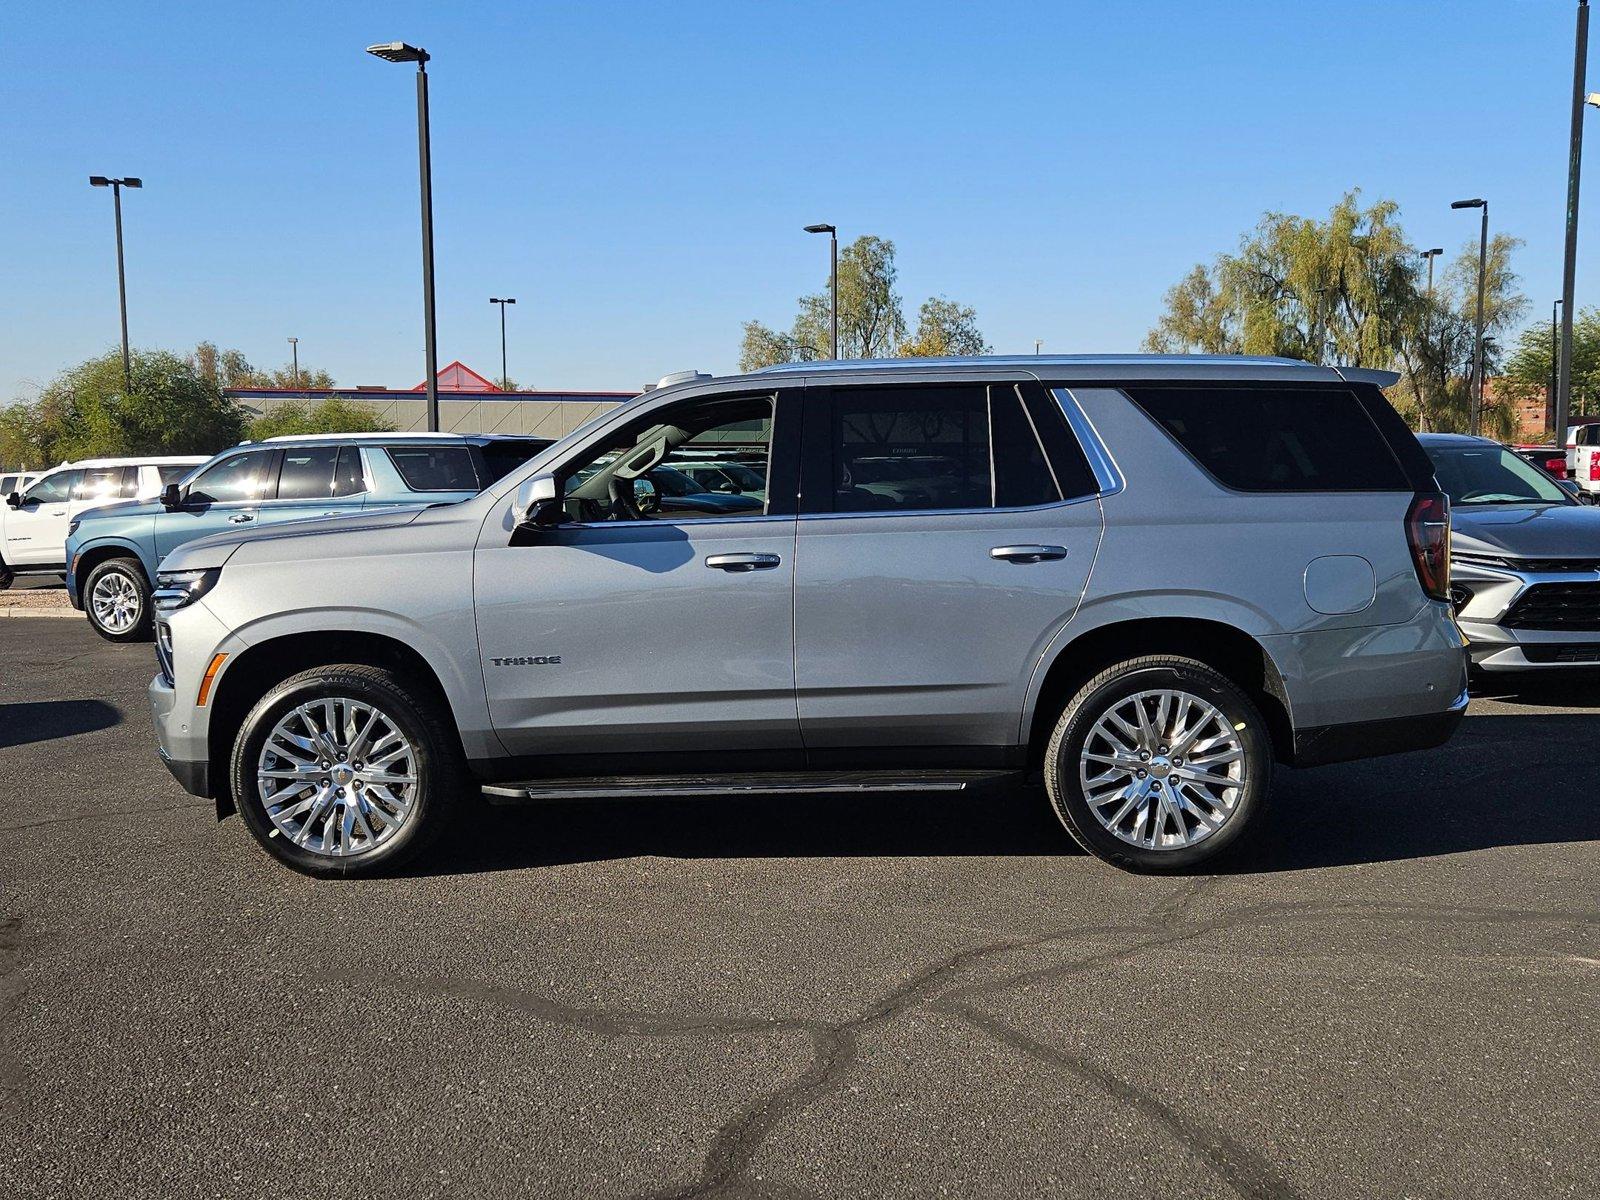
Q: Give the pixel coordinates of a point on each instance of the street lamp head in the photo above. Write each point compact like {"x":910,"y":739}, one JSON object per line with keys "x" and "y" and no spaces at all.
{"x":398,"y":52}
{"x":498,"y":300}
{"x":1467,"y":203}
{"x":133,"y":181}
{"x":99,"y":181}
{"x":1592,"y":99}
{"x":821,"y":229}
{"x":1437,"y":250}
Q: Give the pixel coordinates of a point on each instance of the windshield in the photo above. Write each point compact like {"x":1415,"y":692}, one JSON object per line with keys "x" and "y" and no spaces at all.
{"x":1476,"y":474}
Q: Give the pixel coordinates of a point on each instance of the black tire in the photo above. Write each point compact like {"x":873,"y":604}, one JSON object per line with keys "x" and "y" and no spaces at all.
{"x":7,"y":576}
{"x":1115,"y":685}
{"x":127,"y":570}
{"x":440,"y":771}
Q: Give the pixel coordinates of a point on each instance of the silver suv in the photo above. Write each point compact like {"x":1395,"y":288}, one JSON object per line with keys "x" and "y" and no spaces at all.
{"x":1147,"y":579}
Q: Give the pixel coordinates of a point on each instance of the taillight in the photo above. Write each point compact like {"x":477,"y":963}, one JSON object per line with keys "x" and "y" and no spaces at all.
{"x":1594,"y":467}
{"x":1557,"y":466}
{"x":1428,"y":535}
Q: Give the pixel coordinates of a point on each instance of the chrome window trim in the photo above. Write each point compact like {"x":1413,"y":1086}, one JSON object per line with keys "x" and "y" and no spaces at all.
{"x":985,"y":511}
{"x":1101,"y":462}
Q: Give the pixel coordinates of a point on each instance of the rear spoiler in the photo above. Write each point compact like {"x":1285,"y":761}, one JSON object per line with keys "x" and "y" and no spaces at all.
{"x":1382,"y":379}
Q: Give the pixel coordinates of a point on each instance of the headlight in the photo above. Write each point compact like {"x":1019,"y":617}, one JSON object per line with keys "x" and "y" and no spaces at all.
{"x":72,"y":526}
{"x":179,"y":589}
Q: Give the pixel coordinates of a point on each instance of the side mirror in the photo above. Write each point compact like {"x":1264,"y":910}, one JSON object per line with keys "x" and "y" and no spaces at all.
{"x":171,"y":497}
{"x":1585,"y":497}
{"x":14,"y":499}
{"x":539,"y":503}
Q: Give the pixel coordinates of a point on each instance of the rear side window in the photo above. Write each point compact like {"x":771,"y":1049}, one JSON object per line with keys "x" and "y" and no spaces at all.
{"x":349,"y":479}
{"x":307,"y":472}
{"x":435,"y":468}
{"x":173,"y":472}
{"x":1277,"y":439}
{"x":501,"y":458}
{"x":99,"y":484}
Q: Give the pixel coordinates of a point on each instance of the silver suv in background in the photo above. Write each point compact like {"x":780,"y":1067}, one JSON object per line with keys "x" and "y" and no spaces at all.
{"x":1146,"y":578}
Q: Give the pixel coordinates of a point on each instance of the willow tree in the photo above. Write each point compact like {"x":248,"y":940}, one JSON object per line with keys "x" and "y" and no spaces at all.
{"x":1350,"y":289}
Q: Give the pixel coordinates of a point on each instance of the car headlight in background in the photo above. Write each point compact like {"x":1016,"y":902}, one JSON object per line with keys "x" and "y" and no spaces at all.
{"x":179,"y":589}
{"x":72,"y":526}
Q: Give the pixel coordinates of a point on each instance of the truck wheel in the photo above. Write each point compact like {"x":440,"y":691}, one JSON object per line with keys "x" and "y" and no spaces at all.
{"x":346,"y":770}
{"x":7,"y":576}
{"x":1158,"y":764}
{"x":116,"y":599}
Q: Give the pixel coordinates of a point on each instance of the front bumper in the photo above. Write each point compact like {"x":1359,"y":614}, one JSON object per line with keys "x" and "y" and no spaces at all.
{"x":185,"y":753}
{"x":1493,"y":646}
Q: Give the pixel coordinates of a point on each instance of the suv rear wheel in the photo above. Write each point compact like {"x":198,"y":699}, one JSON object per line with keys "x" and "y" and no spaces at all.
{"x":116,"y":599}
{"x":345,"y":770}
{"x":1158,"y":764}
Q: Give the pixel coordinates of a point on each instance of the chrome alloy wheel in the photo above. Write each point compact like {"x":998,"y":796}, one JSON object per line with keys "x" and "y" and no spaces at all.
{"x":1162,"y":769}
{"x":116,"y":603}
{"x":337,"y":777}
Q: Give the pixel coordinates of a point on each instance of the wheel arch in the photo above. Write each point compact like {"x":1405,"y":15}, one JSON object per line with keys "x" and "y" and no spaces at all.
{"x":1225,"y":647}
{"x":264,"y":664}
{"x":87,"y":560}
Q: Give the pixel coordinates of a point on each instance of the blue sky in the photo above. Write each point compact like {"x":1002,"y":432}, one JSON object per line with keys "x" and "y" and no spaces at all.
{"x":637,"y":174}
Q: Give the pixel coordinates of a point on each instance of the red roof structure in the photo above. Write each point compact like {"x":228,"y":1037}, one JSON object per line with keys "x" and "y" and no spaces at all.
{"x":458,"y":377}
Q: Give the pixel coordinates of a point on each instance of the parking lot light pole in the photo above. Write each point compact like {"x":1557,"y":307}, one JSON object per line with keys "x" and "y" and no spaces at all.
{"x":504,"y":376}
{"x":833,"y":285}
{"x":1569,"y":265}
{"x":116,"y":186}
{"x":1483,"y":270}
{"x":294,"y":349}
{"x":400,"y":52}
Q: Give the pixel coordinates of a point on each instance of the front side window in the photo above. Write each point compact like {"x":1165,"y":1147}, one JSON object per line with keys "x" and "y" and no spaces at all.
{"x":655,"y":469}
{"x":54,"y":488}
{"x":307,"y":472}
{"x":239,"y":477}
{"x":435,"y":468}
{"x":1274,"y":439}
{"x":1482,"y":474}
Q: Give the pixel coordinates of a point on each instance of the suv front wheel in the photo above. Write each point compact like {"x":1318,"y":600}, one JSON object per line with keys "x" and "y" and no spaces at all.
{"x":1158,"y":764}
{"x":116,"y":599}
{"x":345,"y":770}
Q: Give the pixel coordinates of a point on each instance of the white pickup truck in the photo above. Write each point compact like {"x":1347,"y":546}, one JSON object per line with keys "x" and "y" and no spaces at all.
{"x":1583,"y":456}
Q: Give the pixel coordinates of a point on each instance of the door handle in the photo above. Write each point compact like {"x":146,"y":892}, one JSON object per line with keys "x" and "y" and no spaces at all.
{"x":240,"y":518}
{"x":1028,"y":554}
{"x":743,"y":562}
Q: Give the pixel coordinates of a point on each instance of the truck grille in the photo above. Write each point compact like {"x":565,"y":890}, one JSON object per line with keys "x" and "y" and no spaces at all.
{"x":1562,"y":652}
{"x":1556,"y":606}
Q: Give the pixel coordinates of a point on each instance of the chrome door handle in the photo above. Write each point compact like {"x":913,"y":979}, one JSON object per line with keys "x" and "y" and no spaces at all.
{"x":1028,"y":554}
{"x":240,"y":518}
{"x":743,"y":562}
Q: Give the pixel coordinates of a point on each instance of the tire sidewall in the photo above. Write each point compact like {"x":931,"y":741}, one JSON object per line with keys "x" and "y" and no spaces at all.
{"x":142,"y":628}
{"x":1066,"y":792}
{"x":432,"y":767}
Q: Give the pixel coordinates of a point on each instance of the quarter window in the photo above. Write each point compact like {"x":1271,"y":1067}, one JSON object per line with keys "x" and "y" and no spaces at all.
{"x":236,"y":478}
{"x":307,"y":472}
{"x":1277,"y":439}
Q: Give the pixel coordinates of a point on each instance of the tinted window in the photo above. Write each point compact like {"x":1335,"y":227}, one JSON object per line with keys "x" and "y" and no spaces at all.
{"x":1479,"y":474}
{"x":238,"y":477}
{"x":899,"y":449}
{"x":173,"y":472}
{"x":435,"y":468}
{"x":499,"y":458}
{"x":53,"y":489}
{"x":307,"y":472}
{"x":8,"y":484}
{"x":1022,"y":474}
{"x":349,"y":480}
{"x":1277,"y":439}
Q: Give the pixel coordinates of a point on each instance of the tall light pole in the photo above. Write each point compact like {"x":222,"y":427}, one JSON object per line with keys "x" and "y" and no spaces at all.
{"x":1038,"y":344}
{"x":116,"y":186}
{"x":1555,"y":370}
{"x":1569,"y":266}
{"x":833,"y":285}
{"x":1483,"y":270}
{"x":294,"y":349}
{"x":400,"y":52}
{"x":1430,"y":255}
{"x":504,"y":377}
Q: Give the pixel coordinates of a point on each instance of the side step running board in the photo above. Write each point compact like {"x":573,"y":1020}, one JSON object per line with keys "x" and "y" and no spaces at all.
{"x":755,"y":783}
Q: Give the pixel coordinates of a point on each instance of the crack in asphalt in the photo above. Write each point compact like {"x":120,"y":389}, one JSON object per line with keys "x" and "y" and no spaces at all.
{"x":102,"y":814}
{"x":835,"y":1045}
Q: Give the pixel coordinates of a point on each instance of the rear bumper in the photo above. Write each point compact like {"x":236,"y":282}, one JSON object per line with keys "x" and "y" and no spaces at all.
{"x":1372,"y":739}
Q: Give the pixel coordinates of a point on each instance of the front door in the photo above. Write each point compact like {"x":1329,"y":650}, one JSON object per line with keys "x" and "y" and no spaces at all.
{"x":226,"y":495}
{"x":935,"y":560}
{"x":36,"y":532}
{"x":647,"y":623}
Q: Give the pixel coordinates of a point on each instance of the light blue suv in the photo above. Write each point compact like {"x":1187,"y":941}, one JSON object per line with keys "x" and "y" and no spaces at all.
{"x":113,"y":552}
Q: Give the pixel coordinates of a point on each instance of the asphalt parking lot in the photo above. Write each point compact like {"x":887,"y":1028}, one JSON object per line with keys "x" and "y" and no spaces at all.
{"x":1391,"y":994}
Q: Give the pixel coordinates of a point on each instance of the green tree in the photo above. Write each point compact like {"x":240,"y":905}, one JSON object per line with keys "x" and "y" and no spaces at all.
{"x":292,"y":418}
{"x":1528,"y":365}
{"x":230,"y":369}
{"x":872,"y":321}
{"x":943,"y":328}
{"x":1350,"y":290}
{"x":85,"y":412}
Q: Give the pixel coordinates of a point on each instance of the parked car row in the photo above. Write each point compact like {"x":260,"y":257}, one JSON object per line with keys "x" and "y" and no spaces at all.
{"x":1147,"y":579}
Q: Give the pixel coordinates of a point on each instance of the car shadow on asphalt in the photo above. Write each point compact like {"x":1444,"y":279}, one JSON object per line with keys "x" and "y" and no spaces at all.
{"x":1491,"y":786}
{"x":46,"y":720}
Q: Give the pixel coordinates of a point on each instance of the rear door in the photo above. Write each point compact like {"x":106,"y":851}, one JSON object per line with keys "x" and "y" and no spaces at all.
{"x":36,"y":532}
{"x":940,"y":548}
{"x":309,"y":484}
{"x":226,"y":495}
